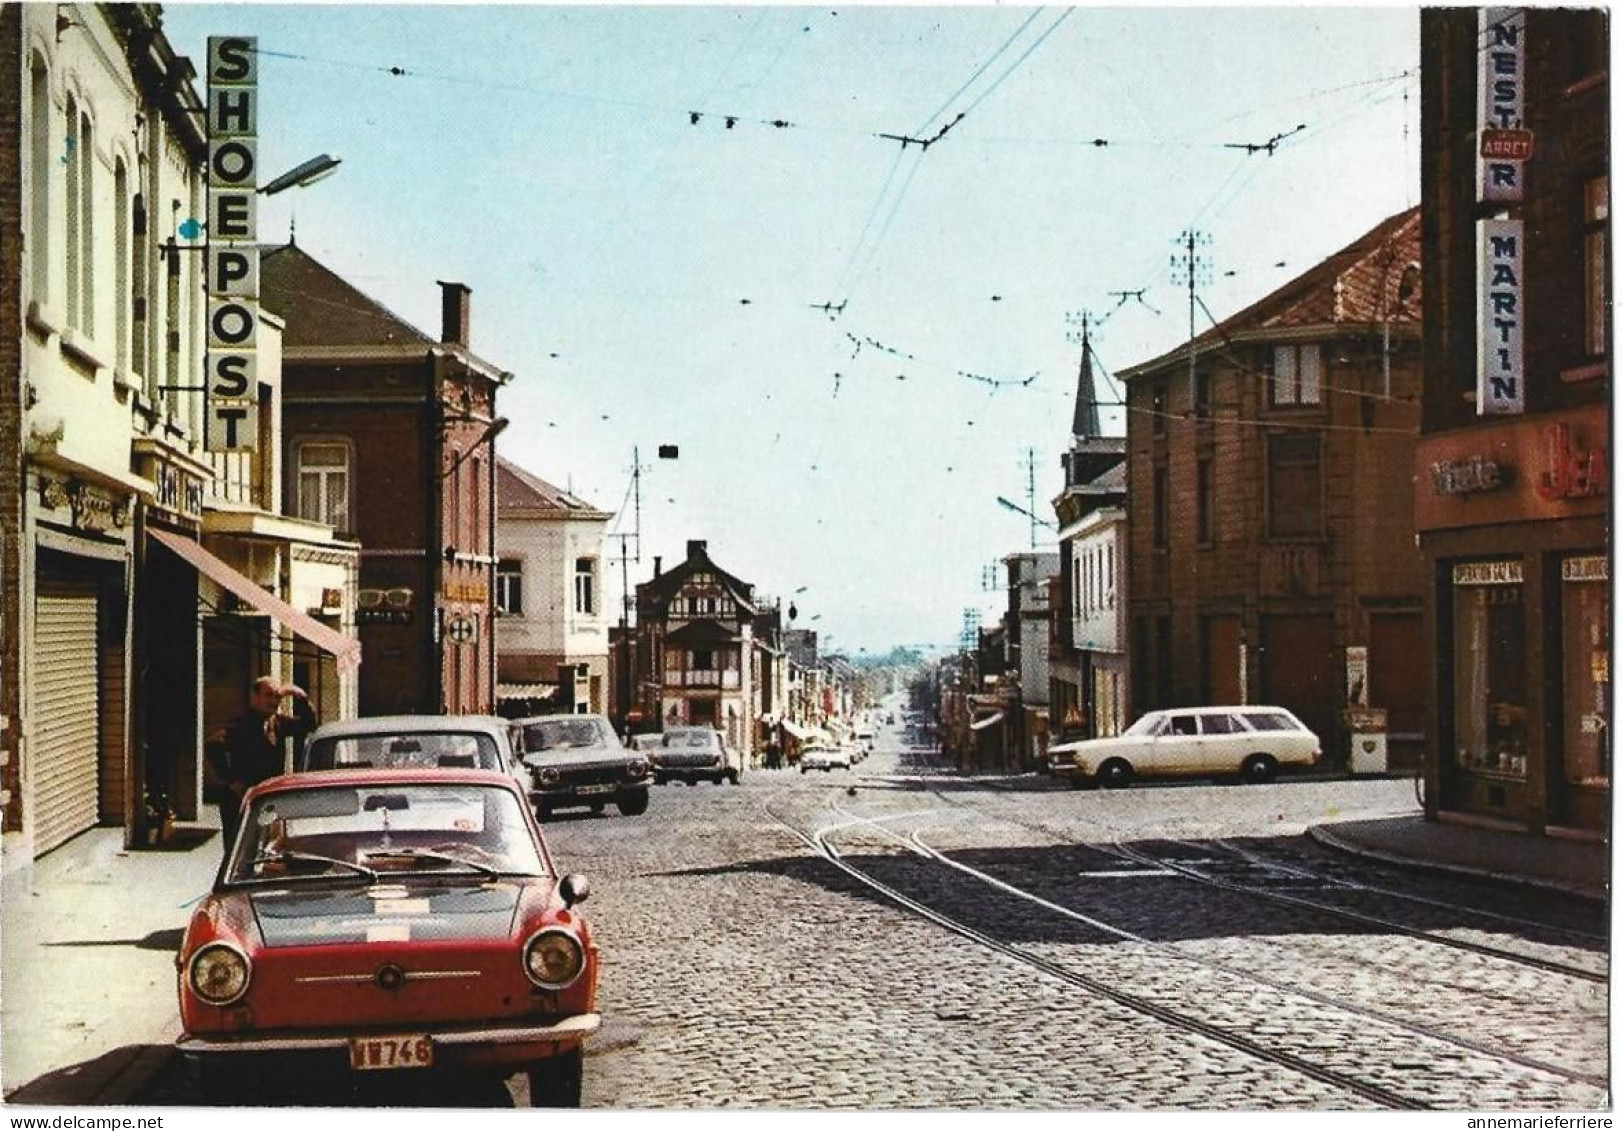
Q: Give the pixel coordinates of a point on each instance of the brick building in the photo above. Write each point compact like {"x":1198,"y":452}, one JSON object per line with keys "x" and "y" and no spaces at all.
{"x":1270,"y":518}
{"x":1512,"y":475}
{"x":389,"y":437}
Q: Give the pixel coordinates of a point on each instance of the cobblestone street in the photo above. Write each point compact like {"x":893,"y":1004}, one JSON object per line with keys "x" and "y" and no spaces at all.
{"x":743,"y":968}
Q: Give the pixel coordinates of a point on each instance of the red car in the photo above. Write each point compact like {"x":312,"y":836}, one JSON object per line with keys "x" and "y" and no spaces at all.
{"x":390,"y":919}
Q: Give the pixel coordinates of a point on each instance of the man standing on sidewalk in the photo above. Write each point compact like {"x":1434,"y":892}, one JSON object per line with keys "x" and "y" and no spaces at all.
{"x":248,"y":750}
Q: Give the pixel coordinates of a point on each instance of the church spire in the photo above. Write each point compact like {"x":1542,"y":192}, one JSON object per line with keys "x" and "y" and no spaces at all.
{"x":1085,"y":421}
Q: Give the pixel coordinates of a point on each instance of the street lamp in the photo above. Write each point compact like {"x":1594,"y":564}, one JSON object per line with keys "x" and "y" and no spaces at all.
{"x":1035,"y":520}
{"x":308,"y":173}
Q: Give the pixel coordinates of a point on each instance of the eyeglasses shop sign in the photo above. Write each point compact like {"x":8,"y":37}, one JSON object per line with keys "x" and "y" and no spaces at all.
{"x":232,"y":400}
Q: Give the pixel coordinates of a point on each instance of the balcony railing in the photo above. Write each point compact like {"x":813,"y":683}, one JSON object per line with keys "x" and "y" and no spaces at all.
{"x":705,"y":679}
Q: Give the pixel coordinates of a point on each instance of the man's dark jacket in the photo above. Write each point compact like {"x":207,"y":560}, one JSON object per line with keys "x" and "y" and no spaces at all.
{"x":244,"y":755}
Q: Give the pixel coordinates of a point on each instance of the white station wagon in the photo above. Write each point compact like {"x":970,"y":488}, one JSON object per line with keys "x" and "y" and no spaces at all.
{"x":1250,"y":741}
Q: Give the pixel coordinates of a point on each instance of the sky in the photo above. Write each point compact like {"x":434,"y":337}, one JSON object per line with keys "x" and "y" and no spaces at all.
{"x":653,"y":275}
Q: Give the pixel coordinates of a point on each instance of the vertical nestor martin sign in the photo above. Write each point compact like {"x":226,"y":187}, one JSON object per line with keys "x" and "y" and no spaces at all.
{"x":233,"y":244}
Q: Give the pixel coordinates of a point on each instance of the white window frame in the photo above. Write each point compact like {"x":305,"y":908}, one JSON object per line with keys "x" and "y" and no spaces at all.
{"x":586,"y":601}
{"x":1298,"y":378}
{"x":509,"y":576}
{"x":300,"y":468}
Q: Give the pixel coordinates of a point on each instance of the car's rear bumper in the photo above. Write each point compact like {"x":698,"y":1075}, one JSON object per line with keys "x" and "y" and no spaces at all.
{"x":588,"y":794}
{"x":459,"y":1044}
{"x":685,"y":773}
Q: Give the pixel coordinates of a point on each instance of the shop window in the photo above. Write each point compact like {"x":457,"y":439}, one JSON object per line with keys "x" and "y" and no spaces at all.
{"x":1490,"y":669}
{"x":1597,"y":208}
{"x":1294,"y":494}
{"x":1296,"y":376}
{"x":323,"y":475}
{"x":510,"y":588}
{"x":1586,"y":676}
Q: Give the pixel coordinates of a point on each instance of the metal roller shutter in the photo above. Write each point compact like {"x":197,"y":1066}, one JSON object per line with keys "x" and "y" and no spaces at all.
{"x":66,"y":721}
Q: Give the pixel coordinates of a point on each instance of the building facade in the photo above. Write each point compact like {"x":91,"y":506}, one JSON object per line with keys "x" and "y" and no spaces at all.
{"x":1027,"y":673}
{"x":552,"y":644}
{"x":1512,"y":477}
{"x":389,"y":438}
{"x":104,"y":160}
{"x":696,"y":654}
{"x":1270,"y":529}
{"x":1098,"y":617}
{"x":1088,"y":648}
{"x":126,"y":547}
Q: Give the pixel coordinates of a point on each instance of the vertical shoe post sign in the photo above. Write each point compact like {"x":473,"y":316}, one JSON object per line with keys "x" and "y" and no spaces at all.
{"x":232,"y":396}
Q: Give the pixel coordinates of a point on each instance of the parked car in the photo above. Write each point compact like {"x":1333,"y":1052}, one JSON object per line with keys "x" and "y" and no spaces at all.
{"x":576,"y":760}
{"x":646,"y":744}
{"x":389,"y":919}
{"x":482,"y":742}
{"x":818,"y":756}
{"x":1251,"y":741}
{"x":694,"y":754}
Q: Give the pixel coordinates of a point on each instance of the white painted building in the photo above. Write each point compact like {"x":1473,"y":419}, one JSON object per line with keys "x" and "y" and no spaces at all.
{"x":552,"y":602}
{"x":102,"y":557}
{"x":1098,"y":612}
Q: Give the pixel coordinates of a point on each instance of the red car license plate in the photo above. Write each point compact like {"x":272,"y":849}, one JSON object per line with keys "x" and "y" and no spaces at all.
{"x":411,"y":1051}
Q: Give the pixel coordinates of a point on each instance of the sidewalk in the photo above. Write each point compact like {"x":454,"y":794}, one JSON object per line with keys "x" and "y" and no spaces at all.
{"x":87,"y":944}
{"x":1574,"y":867}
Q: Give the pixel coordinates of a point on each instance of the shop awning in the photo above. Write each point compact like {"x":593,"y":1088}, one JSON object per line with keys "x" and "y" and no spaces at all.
{"x":525,"y":690}
{"x":345,"y":649}
{"x":989,"y":720}
{"x":797,"y":731}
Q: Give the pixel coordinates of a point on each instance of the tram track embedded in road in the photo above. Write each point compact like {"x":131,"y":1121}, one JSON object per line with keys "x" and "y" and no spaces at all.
{"x":1231,"y":970}
{"x":1120,"y":850}
{"x":1152,"y":861}
{"x":818,"y":842}
{"x":1410,"y":897}
{"x":1256,"y":891}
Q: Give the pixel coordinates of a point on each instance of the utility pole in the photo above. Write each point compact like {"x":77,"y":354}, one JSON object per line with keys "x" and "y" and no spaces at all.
{"x":1031,"y":495}
{"x":1192,"y":270}
{"x":627,"y":680}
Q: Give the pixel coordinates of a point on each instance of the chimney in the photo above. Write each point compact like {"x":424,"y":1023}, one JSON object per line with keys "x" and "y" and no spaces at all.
{"x":656,"y":567}
{"x":695,"y":549}
{"x":454,"y":313}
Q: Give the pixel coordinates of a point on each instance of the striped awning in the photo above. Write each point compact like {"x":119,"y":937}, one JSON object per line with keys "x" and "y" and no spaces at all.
{"x":525,"y":690}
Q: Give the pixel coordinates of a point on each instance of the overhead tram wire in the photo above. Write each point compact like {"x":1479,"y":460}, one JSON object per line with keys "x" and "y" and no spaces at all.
{"x":1211,"y":208}
{"x":858,"y":250}
{"x":669,"y":111}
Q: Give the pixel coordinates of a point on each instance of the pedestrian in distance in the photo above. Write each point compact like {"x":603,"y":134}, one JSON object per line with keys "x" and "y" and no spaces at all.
{"x":248,"y":749}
